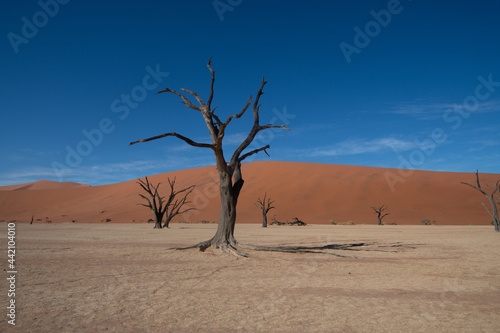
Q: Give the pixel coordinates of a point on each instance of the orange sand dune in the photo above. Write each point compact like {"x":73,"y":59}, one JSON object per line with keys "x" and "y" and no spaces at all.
{"x":41,"y":185}
{"x":315,"y":193}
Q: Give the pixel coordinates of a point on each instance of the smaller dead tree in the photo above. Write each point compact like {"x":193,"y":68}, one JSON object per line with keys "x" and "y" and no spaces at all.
{"x":161,"y":208}
{"x":379,"y":210}
{"x":491,"y":197}
{"x":265,"y":205}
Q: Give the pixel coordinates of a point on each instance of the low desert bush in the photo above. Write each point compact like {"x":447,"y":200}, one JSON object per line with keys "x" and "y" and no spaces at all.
{"x":346,"y":223}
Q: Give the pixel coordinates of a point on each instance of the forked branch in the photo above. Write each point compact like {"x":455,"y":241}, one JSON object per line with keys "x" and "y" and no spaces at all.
{"x":198,"y":98}
{"x":185,"y":101}
{"x":265,"y":204}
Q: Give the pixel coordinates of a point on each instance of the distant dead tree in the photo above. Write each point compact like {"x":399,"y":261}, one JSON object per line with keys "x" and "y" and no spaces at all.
{"x":265,"y":205}
{"x":491,"y":197}
{"x":379,"y":210}
{"x":161,"y":208}
{"x":230,"y":175}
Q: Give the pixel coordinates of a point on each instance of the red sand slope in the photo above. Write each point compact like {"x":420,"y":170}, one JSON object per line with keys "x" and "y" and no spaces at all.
{"x":315,"y":193}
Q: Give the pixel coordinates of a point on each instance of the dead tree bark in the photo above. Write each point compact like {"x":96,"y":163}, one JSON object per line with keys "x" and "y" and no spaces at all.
{"x":265,"y":206}
{"x":491,"y":198}
{"x":230,"y":176}
{"x":159,"y":207}
{"x":379,"y":210}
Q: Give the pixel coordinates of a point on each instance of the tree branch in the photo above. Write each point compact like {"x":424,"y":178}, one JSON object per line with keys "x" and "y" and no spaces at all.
{"x":261,"y":128}
{"x":210,"y":98}
{"x":253,"y":132}
{"x":187,"y":140}
{"x":217,"y":120}
{"x":239,"y":114}
{"x":255,"y":151}
{"x":256,"y":105}
{"x":478,"y":187}
{"x":491,"y":214}
{"x":153,"y":193}
{"x":198,"y":98}
{"x":149,"y":205}
{"x":186,"y":101}
{"x":475,"y":187}
{"x":269,"y":206}
{"x":178,"y":204}
{"x":491,"y":198}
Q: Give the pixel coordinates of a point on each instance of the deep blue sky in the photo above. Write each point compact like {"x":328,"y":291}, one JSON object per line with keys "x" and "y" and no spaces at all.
{"x":397,"y":102}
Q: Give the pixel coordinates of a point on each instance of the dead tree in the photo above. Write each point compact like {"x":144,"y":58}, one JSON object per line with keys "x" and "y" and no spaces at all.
{"x":157,"y":204}
{"x":265,"y":206}
{"x":174,"y":207}
{"x":296,"y":221}
{"x":230,"y":175}
{"x":491,"y":197}
{"x":379,"y":211}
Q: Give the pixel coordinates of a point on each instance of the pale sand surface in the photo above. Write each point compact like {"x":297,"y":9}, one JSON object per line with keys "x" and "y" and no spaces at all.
{"x":122,"y":278}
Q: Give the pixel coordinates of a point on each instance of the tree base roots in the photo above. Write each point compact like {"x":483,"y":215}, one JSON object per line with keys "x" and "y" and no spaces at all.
{"x":232,"y":248}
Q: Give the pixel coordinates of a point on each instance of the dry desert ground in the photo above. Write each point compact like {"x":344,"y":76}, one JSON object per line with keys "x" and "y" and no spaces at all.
{"x":124,"y":278}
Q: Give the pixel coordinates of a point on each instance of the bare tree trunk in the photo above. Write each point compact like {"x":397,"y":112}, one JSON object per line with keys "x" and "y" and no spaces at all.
{"x":265,"y":205}
{"x":167,"y":222}
{"x":229,"y":193}
{"x":158,"y":218}
{"x":496,"y":221}
{"x":227,"y":218}
{"x":264,"y":220}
